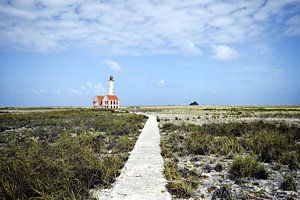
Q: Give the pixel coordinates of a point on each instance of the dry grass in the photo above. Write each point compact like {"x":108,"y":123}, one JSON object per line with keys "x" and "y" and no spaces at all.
{"x":63,"y":154}
{"x":251,"y":144}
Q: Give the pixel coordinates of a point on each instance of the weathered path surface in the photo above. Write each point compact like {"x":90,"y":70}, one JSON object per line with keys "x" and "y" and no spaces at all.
{"x":142,"y":176}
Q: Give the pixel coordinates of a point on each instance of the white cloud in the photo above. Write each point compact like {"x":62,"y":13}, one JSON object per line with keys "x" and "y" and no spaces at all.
{"x":140,"y":26}
{"x":161,"y":83}
{"x":293,"y":26}
{"x":89,"y":89}
{"x":38,"y":92}
{"x":224,"y":52}
{"x":113,"y":65}
{"x":76,"y":92}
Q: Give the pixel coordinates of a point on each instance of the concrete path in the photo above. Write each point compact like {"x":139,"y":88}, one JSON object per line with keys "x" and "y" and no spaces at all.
{"x":142,"y":176}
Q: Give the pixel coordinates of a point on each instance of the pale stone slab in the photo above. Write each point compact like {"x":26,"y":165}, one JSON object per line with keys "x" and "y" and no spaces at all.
{"x":142,"y":176}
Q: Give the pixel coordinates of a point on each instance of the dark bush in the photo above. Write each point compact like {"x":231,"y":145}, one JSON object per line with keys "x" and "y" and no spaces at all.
{"x":291,"y":159}
{"x":288,"y":183}
{"x":223,"y":193}
{"x":218,"y":167}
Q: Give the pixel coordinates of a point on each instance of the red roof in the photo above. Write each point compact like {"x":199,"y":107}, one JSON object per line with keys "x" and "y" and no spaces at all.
{"x":99,"y":98}
{"x":109,"y":97}
{"x":112,"y":97}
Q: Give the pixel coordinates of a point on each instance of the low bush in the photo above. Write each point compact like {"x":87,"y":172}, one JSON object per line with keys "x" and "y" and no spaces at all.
{"x":124,"y":144}
{"x":173,"y":143}
{"x":227,"y":145}
{"x":169,"y":127}
{"x":268,"y":146}
{"x":177,"y":185}
{"x":246,"y":166}
{"x":199,"y":143}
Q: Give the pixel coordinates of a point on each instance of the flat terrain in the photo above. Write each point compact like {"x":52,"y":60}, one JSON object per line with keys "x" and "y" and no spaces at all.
{"x":230,"y":152}
{"x":54,"y":153}
{"x":213,"y":152}
{"x":221,"y":114}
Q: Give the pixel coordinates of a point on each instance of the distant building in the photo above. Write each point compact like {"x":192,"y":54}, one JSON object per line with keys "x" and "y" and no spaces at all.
{"x":110,"y":101}
{"x":194,"y":103}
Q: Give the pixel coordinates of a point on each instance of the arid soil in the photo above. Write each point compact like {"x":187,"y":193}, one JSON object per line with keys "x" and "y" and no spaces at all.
{"x":215,"y":182}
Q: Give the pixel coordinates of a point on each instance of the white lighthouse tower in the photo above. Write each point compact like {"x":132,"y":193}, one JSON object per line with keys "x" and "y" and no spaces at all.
{"x":110,"y":101}
{"x":111,"y":87}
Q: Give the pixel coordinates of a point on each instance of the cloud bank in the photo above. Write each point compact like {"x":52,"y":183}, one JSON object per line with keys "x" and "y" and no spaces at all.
{"x":140,"y":26}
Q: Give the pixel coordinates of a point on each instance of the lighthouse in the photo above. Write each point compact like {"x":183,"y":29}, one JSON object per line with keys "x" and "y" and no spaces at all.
{"x":111,"y":89}
{"x":110,"y":101}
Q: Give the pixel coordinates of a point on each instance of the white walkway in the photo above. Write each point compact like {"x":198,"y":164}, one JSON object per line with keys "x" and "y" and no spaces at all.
{"x":142,"y":176}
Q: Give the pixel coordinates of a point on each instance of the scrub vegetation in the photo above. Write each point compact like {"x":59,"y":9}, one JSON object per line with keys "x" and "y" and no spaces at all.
{"x":63,"y":153}
{"x":242,"y":159}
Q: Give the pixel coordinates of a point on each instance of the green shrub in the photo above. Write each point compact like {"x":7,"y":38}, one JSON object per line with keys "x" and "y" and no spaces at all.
{"x":199,"y":143}
{"x":246,"y":166}
{"x":124,"y":144}
{"x":176,"y":184}
{"x":227,"y":145}
{"x":267,"y":145}
{"x":166,"y":147}
{"x":172,"y":143}
{"x":169,"y":127}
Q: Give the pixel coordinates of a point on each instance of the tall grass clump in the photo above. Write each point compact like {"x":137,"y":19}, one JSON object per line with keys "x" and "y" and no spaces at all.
{"x":268,"y":146}
{"x":247,"y":166}
{"x":227,"y":145}
{"x":177,"y":185}
{"x":199,"y":143}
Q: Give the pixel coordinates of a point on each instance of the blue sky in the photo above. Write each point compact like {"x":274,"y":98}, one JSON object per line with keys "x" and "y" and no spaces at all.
{"x":234,"y":52}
